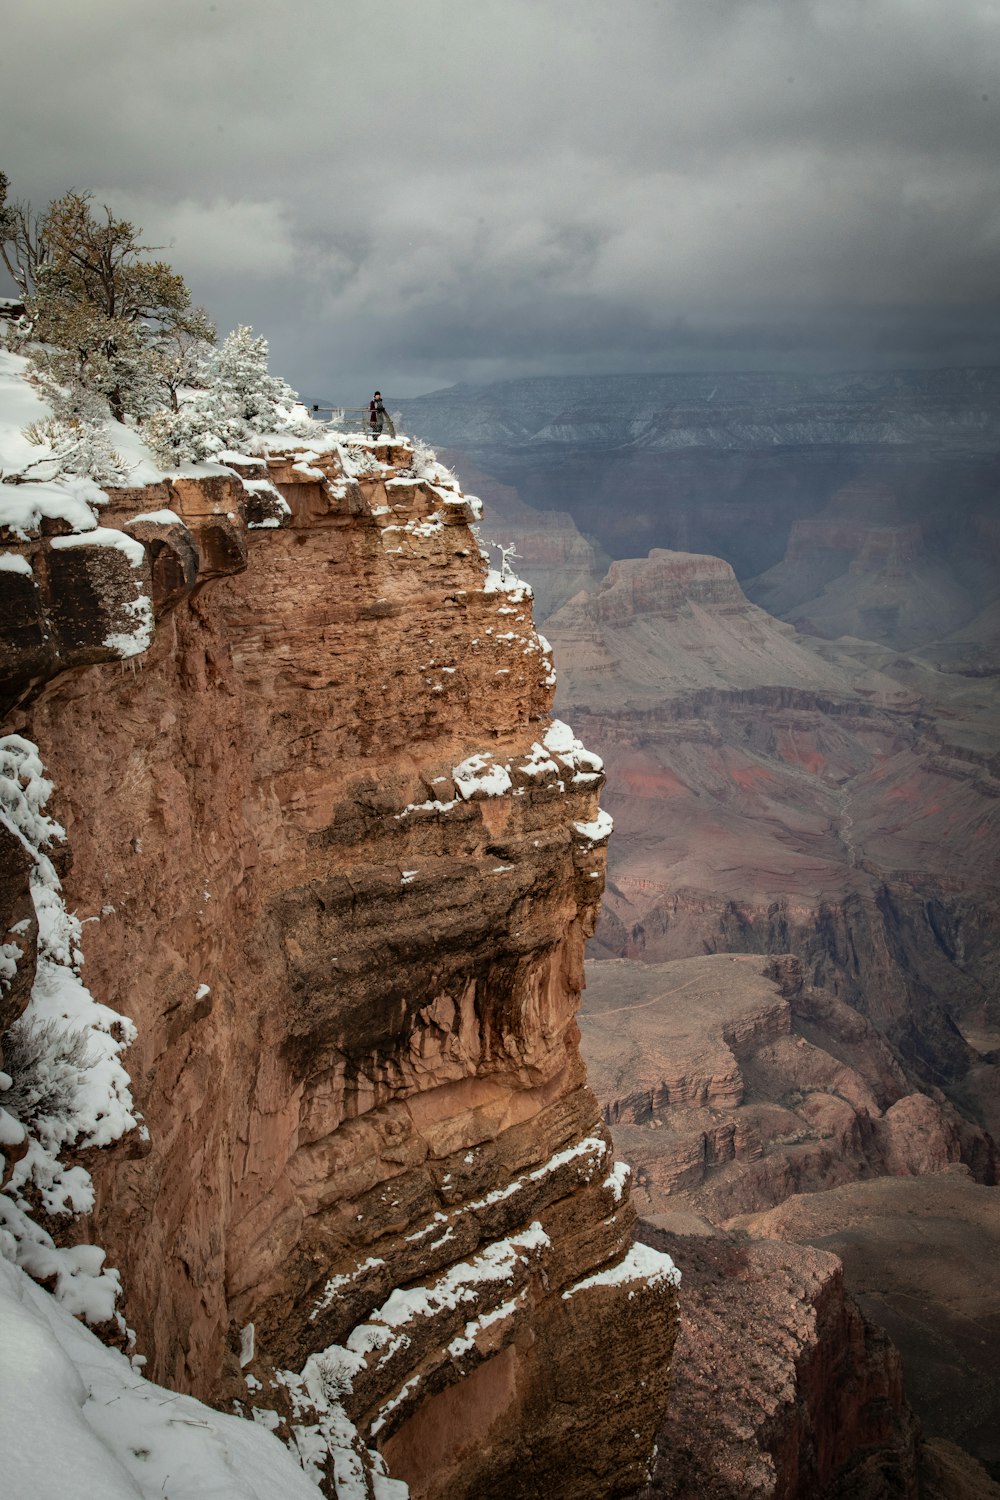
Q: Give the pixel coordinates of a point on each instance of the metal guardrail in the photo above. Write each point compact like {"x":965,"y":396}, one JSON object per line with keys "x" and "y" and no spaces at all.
{"x":350,"y":418}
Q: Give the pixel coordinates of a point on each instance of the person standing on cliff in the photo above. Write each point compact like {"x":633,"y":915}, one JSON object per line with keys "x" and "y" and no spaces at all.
{"x":376,"y":414}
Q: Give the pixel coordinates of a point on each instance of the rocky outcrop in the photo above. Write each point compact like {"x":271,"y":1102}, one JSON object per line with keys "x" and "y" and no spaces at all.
{"x":774,"y":794}
{"x":687,"y":613}
{"x":919,"y":1253}
{"x":782,"y":1388}
{"x":339,"y":866}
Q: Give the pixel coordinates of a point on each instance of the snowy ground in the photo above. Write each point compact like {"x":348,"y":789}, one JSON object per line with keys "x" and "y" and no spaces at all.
{"x":78,"y":1423}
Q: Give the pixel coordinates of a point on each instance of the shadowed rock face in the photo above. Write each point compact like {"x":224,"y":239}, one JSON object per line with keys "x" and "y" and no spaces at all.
{"x":730,"y":1086}
{"x":354,"y":966}
{"x":920,"y":1254}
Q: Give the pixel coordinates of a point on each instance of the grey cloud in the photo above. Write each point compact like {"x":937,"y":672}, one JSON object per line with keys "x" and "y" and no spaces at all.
{"x":410,"y":194}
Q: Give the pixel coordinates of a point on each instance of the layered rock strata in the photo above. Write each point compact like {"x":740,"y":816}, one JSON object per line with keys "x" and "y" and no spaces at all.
{"x":727,"y":463}
{"x":860,"y":569}
{"x":729,"y":1084}
{"x":920,"y":1255}
{"x":338,"y":865}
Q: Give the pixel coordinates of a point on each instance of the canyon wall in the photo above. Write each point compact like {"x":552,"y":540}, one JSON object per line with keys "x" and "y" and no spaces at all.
{"x":835,"y":803}
{"x":774,"y":793}
{"x":336,"y":862}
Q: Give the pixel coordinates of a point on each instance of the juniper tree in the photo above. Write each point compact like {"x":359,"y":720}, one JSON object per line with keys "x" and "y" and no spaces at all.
{"x":106,"y":312}
{"x":22,"y":246}
{"x":238,"y":400}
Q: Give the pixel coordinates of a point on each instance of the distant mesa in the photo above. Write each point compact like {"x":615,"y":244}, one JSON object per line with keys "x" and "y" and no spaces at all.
{"x":676,"y":623}
{"x":858,"y":569}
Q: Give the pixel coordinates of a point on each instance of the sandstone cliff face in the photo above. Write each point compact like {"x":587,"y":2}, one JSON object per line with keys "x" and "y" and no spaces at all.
{"x":339,"y":867}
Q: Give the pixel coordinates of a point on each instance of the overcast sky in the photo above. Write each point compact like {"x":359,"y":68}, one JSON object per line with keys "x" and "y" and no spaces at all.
{"x":408,"y":193}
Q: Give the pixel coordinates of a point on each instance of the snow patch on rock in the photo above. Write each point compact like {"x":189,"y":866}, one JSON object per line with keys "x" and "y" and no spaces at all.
{"x":67,"y":1085}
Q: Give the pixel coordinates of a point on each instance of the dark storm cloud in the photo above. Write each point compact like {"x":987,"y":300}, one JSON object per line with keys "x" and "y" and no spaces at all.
{"x":421,"y":191}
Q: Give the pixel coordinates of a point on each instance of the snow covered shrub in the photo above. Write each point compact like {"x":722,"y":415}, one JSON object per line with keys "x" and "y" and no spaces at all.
{"x":75,"y":434}
{"x":239,"y":400}
{"x":101,"y":308}
{"x":47,"y":1063}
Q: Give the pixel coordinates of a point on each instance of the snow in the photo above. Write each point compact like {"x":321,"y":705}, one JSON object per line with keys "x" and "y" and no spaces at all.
{"x":13,"y":562}
{"x":560,"y":740}
{"x":23,"y":507}
{"x":76,"y":1092}
{"x":478,"y":775}
{"x":157,"y":517}
{"x":591,"y":1146}
{"x":20,"y":406}
{"x":617,"y":1180}
{"x":597,"y":831}
{"x":467,"y":1342}
{"x":460,"y":1283}
{"x":281,"y":505}
{"x":77,"y":1422}
{"x":336,"y":1284}
{"x":432,"y":806}
{"x":496,"y":582}
{"x":142,"y":467}
{"x":139,"y":611}
{"x":230,"y":457}
{"x":322,"y":1427}
{"x":248,"y":1339}
{"x":105,"y":536}
{"x":641,"y":1264}
{"x":134,"y":642}
{"x":538,"y":762}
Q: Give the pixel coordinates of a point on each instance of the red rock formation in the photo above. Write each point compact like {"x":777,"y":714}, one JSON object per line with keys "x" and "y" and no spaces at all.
{"x":772,"y":795}
{"x":340,"y":871}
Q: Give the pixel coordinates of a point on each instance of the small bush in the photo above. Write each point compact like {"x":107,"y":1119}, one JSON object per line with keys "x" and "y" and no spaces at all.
{"x":47,"y":1063}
